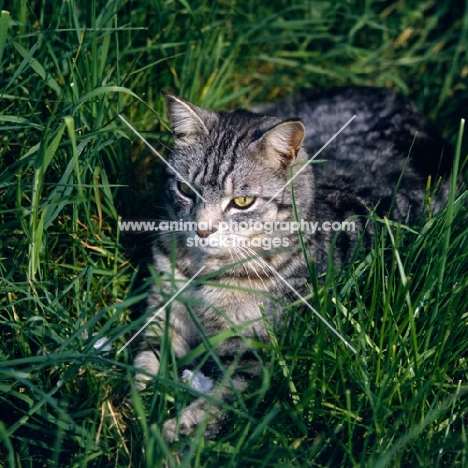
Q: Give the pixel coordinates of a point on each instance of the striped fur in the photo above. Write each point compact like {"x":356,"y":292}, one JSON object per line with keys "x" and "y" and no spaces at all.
{"x":244,"y":154}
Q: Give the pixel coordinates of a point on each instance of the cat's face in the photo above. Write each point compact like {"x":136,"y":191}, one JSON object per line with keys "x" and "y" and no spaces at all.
{"x":227,"y":166}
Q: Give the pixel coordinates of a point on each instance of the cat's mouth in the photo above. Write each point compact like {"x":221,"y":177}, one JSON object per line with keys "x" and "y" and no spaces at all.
{"x":210,"y":244}
{"x":217,"y":244}
{"x":232,"y":246}
{"x":213,"y":245}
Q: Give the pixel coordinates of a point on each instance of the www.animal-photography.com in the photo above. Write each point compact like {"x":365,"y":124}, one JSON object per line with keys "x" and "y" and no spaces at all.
{"x":233,"y":234}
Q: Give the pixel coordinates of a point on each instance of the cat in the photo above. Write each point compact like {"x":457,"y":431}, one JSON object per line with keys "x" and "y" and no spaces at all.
{"x":234,"y":167}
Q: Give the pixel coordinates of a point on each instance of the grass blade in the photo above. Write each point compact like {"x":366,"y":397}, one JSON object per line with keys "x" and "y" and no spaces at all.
{"x":4,"y":20}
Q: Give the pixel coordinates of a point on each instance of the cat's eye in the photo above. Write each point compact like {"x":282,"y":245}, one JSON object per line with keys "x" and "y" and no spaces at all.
{"x":186,"y":189}
{"x":243,"y":202}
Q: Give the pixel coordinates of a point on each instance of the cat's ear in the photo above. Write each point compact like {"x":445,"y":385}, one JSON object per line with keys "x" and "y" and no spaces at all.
{"x":188,"y":121}
{"x":283,"y":141}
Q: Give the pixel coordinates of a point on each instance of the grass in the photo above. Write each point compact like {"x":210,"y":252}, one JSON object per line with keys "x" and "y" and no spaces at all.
{"x":70,"y":169}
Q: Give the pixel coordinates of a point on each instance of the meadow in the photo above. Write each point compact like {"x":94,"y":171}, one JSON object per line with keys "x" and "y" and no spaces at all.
{"x":70,"y":170}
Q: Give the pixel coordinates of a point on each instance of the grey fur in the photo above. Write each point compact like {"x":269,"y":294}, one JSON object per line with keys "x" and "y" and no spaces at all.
{"x":243,"y":154}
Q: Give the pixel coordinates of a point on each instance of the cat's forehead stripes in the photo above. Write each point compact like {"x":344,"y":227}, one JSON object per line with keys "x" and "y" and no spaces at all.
{"x":225,"y":146}
{"x":218,"y":155}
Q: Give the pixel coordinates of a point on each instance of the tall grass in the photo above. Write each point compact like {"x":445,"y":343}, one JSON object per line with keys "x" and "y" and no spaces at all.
{"x":68,"y":278}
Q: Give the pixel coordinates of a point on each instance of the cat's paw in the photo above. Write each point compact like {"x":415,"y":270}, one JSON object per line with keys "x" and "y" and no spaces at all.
{"x":174,"y":429}
{"x":148,"y":362}
{"x":196,"y":414}
{"x":169,"y":432}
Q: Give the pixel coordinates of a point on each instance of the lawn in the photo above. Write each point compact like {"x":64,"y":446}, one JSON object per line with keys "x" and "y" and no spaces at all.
{"x":70,"y":170}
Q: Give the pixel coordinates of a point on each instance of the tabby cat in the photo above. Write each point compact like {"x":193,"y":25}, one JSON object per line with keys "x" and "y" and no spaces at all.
{"x":234,"y":167}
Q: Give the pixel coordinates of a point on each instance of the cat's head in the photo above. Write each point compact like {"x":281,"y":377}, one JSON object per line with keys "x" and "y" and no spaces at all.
{"x":226,"y":167}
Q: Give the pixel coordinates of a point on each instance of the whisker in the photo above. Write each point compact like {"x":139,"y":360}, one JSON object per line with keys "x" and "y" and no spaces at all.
{"x":256,"y":272}
{"x":271,"y":269}
{"x":241,"y":257}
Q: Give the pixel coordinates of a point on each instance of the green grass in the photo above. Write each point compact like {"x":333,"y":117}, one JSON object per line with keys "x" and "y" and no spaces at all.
{"x":69,"y":169}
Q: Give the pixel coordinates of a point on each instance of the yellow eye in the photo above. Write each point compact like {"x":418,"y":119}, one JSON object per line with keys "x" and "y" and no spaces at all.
{"x":186,"y":189}
{"x":243,"y":202}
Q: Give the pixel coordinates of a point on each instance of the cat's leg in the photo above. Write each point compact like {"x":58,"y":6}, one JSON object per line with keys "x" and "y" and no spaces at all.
{"x":147,"y":360}
{"x":179,"y":331}
{"x":204,"y":411}
{"x":208,"y":411}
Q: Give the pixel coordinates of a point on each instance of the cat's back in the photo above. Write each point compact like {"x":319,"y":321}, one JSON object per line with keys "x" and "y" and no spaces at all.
{"x":368,"y":156}
{"x":384,"y":125}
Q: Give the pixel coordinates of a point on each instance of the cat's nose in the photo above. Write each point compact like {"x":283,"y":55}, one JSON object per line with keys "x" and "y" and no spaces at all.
{"x":205,"y":233}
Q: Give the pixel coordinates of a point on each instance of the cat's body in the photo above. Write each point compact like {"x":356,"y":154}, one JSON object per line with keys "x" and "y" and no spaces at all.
{"x":237,"y":161}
